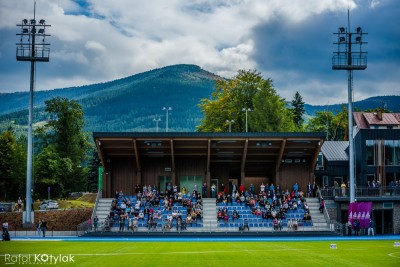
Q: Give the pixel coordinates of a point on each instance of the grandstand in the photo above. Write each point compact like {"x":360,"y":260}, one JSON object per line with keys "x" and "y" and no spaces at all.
{"x":228,"y":162}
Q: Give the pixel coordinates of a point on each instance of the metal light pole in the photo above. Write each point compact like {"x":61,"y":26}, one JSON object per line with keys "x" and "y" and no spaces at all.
{"x":246,"y":110}
{"x":347,"y":58}
{"x":28,"y":49}
{"x":166,"y":122}
{"x":157,"y":120}
{"x":230,"y":124}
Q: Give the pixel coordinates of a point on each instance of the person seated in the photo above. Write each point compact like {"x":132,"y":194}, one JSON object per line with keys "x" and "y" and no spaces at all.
{"x":295,"y":224}
{"x":246,"y":225}
{"x":275,"y":224}
{"x":226,"y":218}
{"x":258,"y":211}
{"x":135,"y":224}
{"x":263,"y":215}
{"x":235,"y":215}
{"x":290,"y":224}
{"x":253,"y":210}
{"x":307,"y":217}
{"x":273,"y":214}
{"x":219,"y":215}
{"x":141,"y":215}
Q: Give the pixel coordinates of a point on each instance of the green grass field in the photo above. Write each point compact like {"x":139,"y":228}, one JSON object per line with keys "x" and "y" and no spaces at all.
{"x":190,"y":254}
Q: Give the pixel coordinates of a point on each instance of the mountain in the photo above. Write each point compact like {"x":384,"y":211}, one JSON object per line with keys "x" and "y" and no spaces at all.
{"x":391,"y":103}
{"x":128,"y":104}
{"x":131,"y":103}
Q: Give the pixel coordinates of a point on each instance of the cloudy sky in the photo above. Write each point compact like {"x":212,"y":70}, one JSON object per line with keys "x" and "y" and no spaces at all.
{"x":289,"y":41}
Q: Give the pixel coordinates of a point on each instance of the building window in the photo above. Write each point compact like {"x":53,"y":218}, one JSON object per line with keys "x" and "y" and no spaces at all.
{"x":370,"y":152}
{"x":396,"y":155}
{"x":389,"y":152}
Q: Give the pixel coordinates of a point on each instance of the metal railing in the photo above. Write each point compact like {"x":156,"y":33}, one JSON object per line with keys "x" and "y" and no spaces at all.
{"x":382,"y":191}
{"x":99,"y":195}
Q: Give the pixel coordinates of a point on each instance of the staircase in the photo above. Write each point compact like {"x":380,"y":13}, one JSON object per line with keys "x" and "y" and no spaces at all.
{"x":210,"y":223}
{"x":318,"y":218}
{"x":103,"y":208}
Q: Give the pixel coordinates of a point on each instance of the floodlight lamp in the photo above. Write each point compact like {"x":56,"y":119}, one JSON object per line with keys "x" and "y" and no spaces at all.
{"x":42,"y":21}
{"x":341,"y":29}
{"x":342,"y":39}
{"x":359,"y":29}
{"x":25,"y":30}
{"x":33,"y":21}
{"x":358,"y":39}
{"x":25,"y":21}
{"x":33,"y":31}
{"x":41,"y":31}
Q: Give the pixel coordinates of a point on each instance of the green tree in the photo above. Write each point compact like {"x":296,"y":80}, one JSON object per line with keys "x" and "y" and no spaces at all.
{"x":298,"y":110}
{"x":63,"y":140}
{"x":270,"y":113}
{"x":50,"y":171}
{"x":93,"y":172}
{"x":247,"y":90}
{"x":12,"y":166}
{"x":335,"y":126}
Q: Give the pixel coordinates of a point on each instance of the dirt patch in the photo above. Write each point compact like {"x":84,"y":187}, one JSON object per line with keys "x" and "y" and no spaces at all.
{"x":57,"y":220}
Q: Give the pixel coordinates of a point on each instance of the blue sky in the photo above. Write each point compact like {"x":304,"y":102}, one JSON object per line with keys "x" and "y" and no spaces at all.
{"x":289,"y":41}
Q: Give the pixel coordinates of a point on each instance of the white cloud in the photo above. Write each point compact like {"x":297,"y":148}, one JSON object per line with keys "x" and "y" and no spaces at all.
{"x":105,"y":40}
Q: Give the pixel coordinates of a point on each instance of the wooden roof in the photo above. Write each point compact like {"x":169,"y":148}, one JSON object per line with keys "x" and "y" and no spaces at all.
{"x":249,"y":152}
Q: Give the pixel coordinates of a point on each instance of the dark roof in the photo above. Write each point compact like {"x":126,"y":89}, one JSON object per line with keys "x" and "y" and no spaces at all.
{"x":335,"y":150}
{"x":209,"y":135}
{"x":364,"y":120}
{"x":250,"y":152}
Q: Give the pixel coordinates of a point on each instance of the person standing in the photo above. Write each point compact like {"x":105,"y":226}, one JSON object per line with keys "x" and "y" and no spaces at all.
{"x":43,"y":226}
{"x":39,"y":227}
{"x":19,"y":204}
{"x":204,"y":189}
{"x":213,"y":189}
{"x":371,"y":227}
{"x":343,"y":186}
{"x":5,"y":226}
{"x":95,"y":223}
{"x":314,"y":189}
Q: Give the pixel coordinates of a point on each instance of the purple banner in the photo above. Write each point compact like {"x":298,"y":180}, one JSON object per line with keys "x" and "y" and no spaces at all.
{"x":360,"y":211}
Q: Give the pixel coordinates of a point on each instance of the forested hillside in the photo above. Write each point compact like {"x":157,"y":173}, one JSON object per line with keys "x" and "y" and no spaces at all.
{"x":128,"y":104}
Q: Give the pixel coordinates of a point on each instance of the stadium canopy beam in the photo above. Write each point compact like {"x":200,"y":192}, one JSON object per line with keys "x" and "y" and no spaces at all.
{"x":280,"y":155}
{"x":138,"y":166}
{"x":315,"y":156}
{"x":171,"y":141}
{"x":246,"y":144}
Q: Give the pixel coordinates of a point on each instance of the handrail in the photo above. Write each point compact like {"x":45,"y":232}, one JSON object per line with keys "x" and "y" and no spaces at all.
{"x":99,"y":194}
{"x":361,"y":191}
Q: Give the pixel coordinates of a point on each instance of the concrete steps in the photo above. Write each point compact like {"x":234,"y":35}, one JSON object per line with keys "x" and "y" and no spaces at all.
{"x":210,"y":214}
{"x":317,"y":217}
{"x":103,"y":208}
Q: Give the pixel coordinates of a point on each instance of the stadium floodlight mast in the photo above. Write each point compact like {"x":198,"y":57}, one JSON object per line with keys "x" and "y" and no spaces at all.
{"x":230,"y":124}
{"x":32,"y":47}
{"x":348,"y":58}
{"x":157,"y":120}
{"x":167,"y":109}
{"x":246,"y":110}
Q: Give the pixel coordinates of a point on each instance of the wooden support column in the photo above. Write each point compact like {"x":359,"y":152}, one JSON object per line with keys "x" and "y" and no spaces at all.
{"x":173,"y":162}
{"x":101,"y":156}
{"x":138,"y":166}
{"x":208,"y":173}
{"x":314,"y":159}
{"x":279,"y":161}
{"x":242,"y":173}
